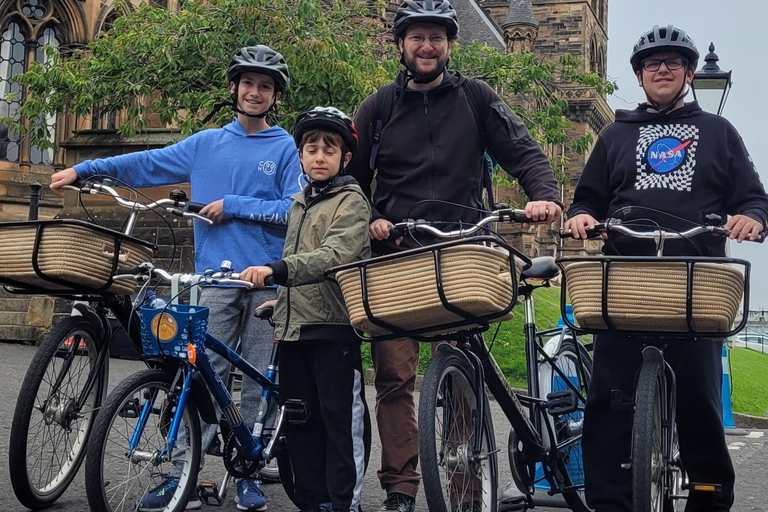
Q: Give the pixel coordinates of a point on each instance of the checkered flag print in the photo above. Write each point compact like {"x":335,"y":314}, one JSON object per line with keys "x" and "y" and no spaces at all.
{"x":678,"y":179}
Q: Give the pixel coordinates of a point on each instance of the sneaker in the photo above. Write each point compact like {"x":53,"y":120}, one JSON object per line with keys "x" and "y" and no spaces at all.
{"x":399,"y":502}
{"x":157,"y":499}
{"x":249,"y":495}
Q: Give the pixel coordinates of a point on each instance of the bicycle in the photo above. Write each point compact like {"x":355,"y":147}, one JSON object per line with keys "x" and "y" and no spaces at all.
{"x":147,"y":434}
{"x":658,"y":475}
{"x":456,"y":437}
{"x":66,"y":382}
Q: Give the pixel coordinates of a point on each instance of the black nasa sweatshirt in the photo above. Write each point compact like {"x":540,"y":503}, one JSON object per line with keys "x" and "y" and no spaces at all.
{"x":687,"y":163}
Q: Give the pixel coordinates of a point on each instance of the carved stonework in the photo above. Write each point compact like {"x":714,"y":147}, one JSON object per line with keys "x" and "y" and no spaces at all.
{"x":585,"y":105}
{"x":520,"y":38}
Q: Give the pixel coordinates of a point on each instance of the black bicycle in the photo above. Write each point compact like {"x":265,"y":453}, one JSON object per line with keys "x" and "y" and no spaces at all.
{"x":672,"y":299}
{"x":473,"y":281}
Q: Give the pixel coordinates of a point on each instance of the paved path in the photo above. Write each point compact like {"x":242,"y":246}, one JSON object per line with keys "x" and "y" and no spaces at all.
{"x":749,"y":453}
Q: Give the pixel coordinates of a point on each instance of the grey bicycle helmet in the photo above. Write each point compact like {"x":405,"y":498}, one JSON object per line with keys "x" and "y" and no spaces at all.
{"x":327,"y":118}
{"x":660,"y":39}
{"x":439,"y":12}
{"x":259,"y":59}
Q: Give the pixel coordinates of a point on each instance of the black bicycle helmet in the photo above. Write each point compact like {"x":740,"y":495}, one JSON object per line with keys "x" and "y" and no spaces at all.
{"x":326,"y":118}
{"x":661,"y":39}
{"x":439,"y":12}
{"x":259,"y":59}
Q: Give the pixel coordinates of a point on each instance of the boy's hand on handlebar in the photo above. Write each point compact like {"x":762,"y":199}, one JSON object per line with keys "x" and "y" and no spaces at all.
{"x":578,"y":225}
{"x":543,"y":211}
{"x":379,"y":230}
{"x":61,"y":178}
{"x":214,"y":211}
{"x":743,"y":227}
{"x":256,"y":275}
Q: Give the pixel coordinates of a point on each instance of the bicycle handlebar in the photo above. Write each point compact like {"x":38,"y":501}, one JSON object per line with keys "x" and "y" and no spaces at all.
{"x":501,"y":215}
{"x":656,"y":234}
{"x":182,"y":208}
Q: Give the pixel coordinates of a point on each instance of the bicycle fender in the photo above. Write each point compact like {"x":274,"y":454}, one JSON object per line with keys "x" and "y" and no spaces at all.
{"x":202,"y":399}
{"x":651,"y":353}
{"x":448,"y":347}
{"x":85,"y":311}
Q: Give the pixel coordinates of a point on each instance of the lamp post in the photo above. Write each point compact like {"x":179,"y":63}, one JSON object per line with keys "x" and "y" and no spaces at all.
{"x":711,"y":85}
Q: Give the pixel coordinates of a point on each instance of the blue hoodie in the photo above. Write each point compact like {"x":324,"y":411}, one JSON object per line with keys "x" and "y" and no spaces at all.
{"x":256,"y":175}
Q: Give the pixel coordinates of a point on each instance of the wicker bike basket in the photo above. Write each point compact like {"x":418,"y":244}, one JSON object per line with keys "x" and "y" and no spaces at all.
{"x":664,"y":295}
{"x":68,"y":256}
{"x":440,"y":289}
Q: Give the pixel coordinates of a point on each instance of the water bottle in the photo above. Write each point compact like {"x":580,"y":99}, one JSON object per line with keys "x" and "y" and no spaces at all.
{"x":153,"y":301}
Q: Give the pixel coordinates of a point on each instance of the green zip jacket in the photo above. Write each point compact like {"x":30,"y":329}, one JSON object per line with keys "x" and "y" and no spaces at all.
{"x":324,"y":231}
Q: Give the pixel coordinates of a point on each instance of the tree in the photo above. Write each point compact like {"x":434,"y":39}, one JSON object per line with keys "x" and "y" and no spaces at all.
{"x":337,"y":54}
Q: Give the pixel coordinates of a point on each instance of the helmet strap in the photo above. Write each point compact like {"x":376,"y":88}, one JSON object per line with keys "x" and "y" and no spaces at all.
{"x":240,"y":111}
{"x":682,"y":93}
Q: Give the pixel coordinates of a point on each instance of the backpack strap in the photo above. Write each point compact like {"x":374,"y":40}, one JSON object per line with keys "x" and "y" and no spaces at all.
{"x":382,"y":110}
{"x":480,"y":110}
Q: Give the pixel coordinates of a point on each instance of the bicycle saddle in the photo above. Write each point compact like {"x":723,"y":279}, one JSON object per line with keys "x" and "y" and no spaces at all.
{"x":543,"y":267}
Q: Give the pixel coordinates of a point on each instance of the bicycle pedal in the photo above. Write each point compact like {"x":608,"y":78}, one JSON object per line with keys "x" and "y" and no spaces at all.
{"x":209,"y":494}
{"x":514,"y":504}
{"x":696,"y":486}
{"x":562,"y":402}
{"x":296,"y":411}
{"x":618,"y":403}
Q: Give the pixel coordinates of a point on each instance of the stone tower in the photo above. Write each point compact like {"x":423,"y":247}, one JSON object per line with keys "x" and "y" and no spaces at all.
{"x":520,"y":27}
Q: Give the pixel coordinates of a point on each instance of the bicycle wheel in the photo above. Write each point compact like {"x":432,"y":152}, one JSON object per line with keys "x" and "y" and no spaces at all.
{"x":455,"y":479}
{"x":568,"y":428}
{"x":648,"y":464}
{"x":117,"y":480}
{"x":48,"y":433}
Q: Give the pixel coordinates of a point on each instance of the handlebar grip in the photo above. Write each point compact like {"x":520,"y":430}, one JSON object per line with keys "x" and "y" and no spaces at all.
{"x":520,"y":216}
{"x":395,"y":233}
{"x":128,"y":271}
{"x":269,"y":280}
{"x":591,"y":233}
{"x":196,"y":207}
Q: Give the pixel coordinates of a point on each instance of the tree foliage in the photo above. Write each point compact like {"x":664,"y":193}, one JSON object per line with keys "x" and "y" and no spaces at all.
{"x":338,"y":53}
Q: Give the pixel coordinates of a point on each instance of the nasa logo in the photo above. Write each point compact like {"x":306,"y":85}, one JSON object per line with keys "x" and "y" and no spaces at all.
{"x":667,"y":154}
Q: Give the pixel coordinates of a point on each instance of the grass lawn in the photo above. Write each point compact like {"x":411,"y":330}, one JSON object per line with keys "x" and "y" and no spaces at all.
{"x":509,"y":347}
{"x":749,"y":379}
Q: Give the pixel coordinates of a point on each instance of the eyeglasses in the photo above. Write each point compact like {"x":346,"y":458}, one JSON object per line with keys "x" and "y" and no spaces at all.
{"x":419,"y":40}
{"x":673,"y":63}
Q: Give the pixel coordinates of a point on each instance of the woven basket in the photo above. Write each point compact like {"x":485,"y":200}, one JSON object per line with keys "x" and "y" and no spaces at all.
{"x":651,"y":296}
{"x":70,"y":251}
{"x":403,"y":291}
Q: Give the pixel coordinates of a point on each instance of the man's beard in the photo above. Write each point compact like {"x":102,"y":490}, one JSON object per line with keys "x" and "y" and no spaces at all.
{"x":421,"y":77}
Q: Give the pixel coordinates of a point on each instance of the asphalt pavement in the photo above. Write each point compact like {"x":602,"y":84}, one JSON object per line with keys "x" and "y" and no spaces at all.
{"x":749,"y":452}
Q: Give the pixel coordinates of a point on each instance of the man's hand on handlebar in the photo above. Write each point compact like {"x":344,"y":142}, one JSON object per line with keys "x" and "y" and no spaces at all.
{"x":542,"y":211}
{"x":379,"y":230}
{"x":578,"y":225}
{"x":742,"y":227}
{"x":256,"y":275}
{"x":61,"y":178}
{"x":214,"y":211}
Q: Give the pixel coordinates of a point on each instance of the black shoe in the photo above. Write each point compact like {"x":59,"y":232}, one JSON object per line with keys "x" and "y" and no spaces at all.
{"x":398,"y":502}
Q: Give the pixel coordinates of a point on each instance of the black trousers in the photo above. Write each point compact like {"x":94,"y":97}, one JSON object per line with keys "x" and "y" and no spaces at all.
{"x":607,"y":436}
{"x":328,"y":451}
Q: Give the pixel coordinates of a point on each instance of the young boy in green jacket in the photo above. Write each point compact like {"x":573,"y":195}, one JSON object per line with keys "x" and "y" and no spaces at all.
{"x":320,"y":360}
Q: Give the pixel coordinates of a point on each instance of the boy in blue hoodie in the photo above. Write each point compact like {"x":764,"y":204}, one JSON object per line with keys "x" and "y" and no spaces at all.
{"x":245,"y":173}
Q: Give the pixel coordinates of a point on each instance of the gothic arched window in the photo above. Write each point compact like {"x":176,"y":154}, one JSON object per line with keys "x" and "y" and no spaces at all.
{"x":37,"y":155}
{"x":13,"y":51}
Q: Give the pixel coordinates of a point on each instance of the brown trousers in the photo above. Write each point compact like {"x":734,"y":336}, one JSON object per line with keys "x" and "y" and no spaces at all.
{"x":395,"y":363}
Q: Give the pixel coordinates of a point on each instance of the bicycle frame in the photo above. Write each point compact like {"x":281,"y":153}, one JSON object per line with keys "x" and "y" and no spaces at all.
{"x":251,"y":444}
{"x":528,"y":426}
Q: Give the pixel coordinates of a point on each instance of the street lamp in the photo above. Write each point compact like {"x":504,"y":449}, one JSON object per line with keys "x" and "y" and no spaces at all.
{"x":711,"y":85}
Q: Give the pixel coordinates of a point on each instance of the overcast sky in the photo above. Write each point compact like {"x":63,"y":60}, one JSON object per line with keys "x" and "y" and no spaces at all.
{"x":738,"y":29}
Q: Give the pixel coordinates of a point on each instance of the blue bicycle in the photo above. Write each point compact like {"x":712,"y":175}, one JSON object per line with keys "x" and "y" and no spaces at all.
{"x":147,"y":435}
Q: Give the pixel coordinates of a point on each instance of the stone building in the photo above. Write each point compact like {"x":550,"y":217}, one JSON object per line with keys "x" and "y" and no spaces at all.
{"x":547,"y":27}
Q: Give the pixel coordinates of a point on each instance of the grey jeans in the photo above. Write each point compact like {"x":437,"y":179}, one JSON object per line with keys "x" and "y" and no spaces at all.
{"x":230,"y":320}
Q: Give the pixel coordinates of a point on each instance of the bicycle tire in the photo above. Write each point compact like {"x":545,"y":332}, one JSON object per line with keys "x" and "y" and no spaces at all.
{"x":109,"y":456}
{"x":648,"y":474}
{"x":454,"y":481}
{"x":569,"y":426}
{"x":46,"y":415}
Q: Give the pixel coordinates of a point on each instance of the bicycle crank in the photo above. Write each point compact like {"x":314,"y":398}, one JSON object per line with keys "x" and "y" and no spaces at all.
{"x":234,"y":459}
